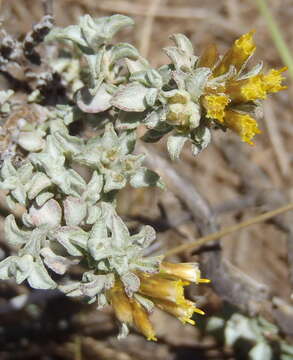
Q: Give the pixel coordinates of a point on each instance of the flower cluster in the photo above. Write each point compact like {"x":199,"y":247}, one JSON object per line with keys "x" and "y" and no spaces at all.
{"x":231,"y":95}
{"x":164,"y":290}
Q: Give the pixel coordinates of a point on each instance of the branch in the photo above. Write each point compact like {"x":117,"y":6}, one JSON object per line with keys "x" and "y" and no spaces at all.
{"x":48,"y":7}
{"x":228,"y":230}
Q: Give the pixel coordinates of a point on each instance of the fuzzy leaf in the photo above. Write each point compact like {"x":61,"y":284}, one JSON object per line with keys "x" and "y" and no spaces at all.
{"x":58,"y":264}
{"x":113,"y":181}
{"x":43,"y":198}
{"x":38,"y":183}
{"x":68,"y":144}
{"x":175,"y":144}
{"x":145,"y":237}
{"x":196,"y":82}
{"x":201,"y":138}
{"x":71,"y":32}
{"x":183,"y":43}
{"x":39,"y":277}
{"x":30,"y":141}
{"x":13,"y":234}
{"x":123,"y":50}
{"x":74,"y":210}
{"x":93,"y":189}
{"x":145,"y":177}
{"x":261,"y":351}
{"x":49,"y":214}
{"x":72,"y":238}
{"x":100,"y":101}
{"x":99,"y":31}
{"x":120,"y":233}
{"x":131,"y":98}
{"x":155,"y":79}
{"x":131,"y":283}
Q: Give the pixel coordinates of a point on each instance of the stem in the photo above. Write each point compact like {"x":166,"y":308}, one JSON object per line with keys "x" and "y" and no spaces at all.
{"x":48,"y":7}
{"x":276,"y":35}
{"x":228,"y":230}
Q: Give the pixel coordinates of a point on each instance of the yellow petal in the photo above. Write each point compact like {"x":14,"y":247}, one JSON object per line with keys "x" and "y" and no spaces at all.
{"x":142,"y":322}
{"x":239,"y":53}
{"x":215,"y":106}
{"x":243,"y":124}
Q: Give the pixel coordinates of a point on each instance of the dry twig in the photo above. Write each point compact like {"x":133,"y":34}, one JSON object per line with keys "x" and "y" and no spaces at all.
{"x":147,"y":28}
{"x":228,"y":230}
{"x":174,"y":12}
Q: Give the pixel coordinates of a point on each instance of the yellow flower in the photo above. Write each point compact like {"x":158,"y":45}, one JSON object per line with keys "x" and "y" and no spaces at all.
{"x":164,"y":289}
{"x":156,"y":286}
{"x":185,"y":271}
{"x":223,"y":96}
{"x":121,"y":305}
{"x":272,"y":82}
{"x":246,"y":90}
{"x":243,"y":124}
{"x":183,"y":311}
{"x":240,"y":52}
{"x":142,"y":322}
{"x":215,"y":106}
{"x":129,"y":311}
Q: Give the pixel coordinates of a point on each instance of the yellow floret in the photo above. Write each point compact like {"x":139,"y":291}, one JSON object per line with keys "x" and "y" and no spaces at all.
{"x":241,"y":50}
{"x":215,"y":106}
{"x":156,"y":286}
{"x":246,"y":90}
{"x":272,"y":82}
{"x":183,"y":311}
{"x":142,"y":322}
{"x":243,"y":124}
{"x":185,"y":271}
{"x":245,"y":44}
{"x":121,"y":305}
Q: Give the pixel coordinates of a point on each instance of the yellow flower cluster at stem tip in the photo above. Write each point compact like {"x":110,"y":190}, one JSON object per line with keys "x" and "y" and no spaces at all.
{"x":221,"y":101}
{"x":164,"y":289}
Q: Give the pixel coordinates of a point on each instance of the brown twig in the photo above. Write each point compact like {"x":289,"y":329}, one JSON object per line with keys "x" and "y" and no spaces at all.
{"x":174,"y":12}
{"x":228,"y":230}
{"x":147,"y":28}
{"x":48,"y":7}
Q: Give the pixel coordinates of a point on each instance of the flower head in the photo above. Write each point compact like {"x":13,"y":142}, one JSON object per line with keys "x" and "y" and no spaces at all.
{"x":215,"y":106}
{"x":239,"y":53}
{"x":272,"y":82}
{"x":230,"y":88}
{"x":164,"y":289}
{"x":242,"y":124}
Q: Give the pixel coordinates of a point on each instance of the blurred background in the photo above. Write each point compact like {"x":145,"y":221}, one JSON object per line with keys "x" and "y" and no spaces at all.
{"x":236,"y":181}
